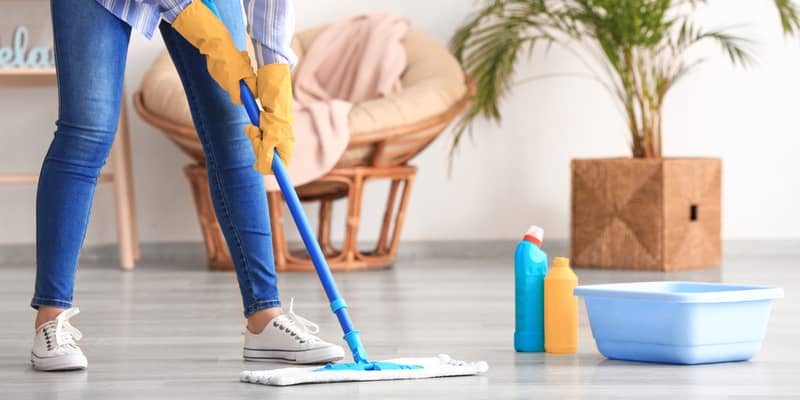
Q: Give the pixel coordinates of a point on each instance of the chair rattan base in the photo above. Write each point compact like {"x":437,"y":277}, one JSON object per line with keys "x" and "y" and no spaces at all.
{"x":339,"y":183}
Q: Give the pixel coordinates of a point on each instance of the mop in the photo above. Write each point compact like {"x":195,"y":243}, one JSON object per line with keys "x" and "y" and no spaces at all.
{"x":361,"y":369}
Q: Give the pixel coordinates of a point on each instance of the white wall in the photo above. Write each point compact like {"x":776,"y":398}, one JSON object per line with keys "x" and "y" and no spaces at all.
{"x":510,"y":175}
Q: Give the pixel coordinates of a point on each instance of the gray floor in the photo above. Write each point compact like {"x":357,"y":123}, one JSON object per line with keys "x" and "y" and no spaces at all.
{"x":171,"y":330}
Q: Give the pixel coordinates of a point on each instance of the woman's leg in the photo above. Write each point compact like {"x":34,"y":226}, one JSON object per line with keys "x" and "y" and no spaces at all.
{"x":90,"y":48}
{"x":237,"y":190}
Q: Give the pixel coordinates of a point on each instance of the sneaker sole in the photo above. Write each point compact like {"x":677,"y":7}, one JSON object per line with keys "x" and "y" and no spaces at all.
{"x":313,"y":356}
{"x":67,"y":362}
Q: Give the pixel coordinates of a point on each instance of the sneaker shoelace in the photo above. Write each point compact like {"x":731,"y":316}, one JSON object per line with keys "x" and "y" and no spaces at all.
{"x":62,"y":332}
{"x":298,"y":327}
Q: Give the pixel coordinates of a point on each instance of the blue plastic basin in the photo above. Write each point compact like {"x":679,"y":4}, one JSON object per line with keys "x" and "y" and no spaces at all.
{"x":678,"y":322}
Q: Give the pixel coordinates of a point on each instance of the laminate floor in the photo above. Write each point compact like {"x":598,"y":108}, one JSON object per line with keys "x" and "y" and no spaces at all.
{"x":171,"y":330}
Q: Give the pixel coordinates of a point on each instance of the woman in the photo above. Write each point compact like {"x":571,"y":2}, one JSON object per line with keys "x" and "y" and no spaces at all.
{"x":91,"y":42}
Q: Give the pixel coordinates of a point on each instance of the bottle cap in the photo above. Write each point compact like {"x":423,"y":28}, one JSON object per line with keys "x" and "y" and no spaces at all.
{"x":560,"y":262}
{"x":534,"y":235}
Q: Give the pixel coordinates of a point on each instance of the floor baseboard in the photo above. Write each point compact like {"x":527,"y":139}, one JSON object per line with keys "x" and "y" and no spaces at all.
{"x":194,"y":252}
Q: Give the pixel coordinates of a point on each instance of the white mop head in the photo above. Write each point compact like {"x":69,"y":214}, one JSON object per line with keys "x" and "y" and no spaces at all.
{"x":432,"y":367}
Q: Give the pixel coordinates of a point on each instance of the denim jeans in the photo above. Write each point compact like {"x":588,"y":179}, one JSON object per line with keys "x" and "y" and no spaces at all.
{"x":91,"y":46}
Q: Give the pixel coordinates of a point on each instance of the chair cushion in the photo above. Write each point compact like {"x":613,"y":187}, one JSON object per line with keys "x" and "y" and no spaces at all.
{"x":432,"y":83}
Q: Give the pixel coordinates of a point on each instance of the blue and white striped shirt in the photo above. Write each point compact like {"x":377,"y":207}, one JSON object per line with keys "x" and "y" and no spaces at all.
{"x":270,"y":23}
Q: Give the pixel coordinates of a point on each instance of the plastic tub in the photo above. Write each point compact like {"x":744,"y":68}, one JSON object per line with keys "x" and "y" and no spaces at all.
{"x":678,"y":322}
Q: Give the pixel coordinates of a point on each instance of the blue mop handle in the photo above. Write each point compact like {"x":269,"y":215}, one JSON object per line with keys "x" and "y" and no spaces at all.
{"x":338,"y":305}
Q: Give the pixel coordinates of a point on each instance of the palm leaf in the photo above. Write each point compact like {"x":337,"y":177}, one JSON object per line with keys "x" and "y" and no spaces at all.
{"x":641,"y":46}
{"x":788,"y":13}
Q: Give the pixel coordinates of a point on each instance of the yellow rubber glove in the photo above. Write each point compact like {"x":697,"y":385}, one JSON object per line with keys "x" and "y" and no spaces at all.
{"x":226,"y":64}
{"x":274,"y":90}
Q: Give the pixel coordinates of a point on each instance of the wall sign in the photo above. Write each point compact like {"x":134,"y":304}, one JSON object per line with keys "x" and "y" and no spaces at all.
{"x":26,"y":34}
{"x":20,"y":55}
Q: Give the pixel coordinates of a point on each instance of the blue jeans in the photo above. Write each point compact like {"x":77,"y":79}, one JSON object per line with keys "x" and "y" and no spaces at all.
{"x":91,"y":46}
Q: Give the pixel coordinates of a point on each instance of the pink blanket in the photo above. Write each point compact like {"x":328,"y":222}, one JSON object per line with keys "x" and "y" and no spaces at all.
{"x":352,"y":61}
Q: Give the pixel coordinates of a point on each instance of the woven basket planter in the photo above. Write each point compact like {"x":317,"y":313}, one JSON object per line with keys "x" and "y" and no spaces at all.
{"x":646,"y":214}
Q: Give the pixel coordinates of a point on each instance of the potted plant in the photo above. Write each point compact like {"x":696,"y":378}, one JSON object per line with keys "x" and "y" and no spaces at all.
{"x":642,"y":212}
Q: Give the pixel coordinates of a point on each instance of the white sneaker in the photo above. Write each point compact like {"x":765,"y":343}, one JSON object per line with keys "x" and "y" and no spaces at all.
{"x":290,"y":338}
{"x":54,"y":347}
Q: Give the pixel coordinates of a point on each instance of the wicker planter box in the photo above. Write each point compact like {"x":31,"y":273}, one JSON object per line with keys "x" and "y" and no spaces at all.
{"x":646,"y":214}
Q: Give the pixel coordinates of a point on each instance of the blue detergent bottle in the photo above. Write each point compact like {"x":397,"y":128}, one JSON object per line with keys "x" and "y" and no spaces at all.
{"x":530,"y":268}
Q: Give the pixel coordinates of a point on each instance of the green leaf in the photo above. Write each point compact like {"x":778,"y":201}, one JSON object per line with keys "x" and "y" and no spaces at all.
{"x":641,"y":45}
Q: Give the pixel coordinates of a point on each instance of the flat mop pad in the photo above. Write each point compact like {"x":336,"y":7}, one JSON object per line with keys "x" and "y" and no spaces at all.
{"x":419,"y":368}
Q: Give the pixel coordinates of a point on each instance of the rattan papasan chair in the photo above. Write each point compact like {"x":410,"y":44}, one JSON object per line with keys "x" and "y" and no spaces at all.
{"x":385,"y":134}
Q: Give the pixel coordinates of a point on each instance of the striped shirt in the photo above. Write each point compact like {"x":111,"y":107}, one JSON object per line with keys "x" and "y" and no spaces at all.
{"x":270,"y":23}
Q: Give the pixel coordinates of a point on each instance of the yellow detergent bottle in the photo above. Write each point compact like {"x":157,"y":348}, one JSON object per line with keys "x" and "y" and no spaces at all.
{"x":560,"y":309}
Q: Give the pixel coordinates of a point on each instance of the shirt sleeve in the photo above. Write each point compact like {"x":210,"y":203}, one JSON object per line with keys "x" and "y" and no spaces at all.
{"x":171,"y":8}
{"x":270,"y":24}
